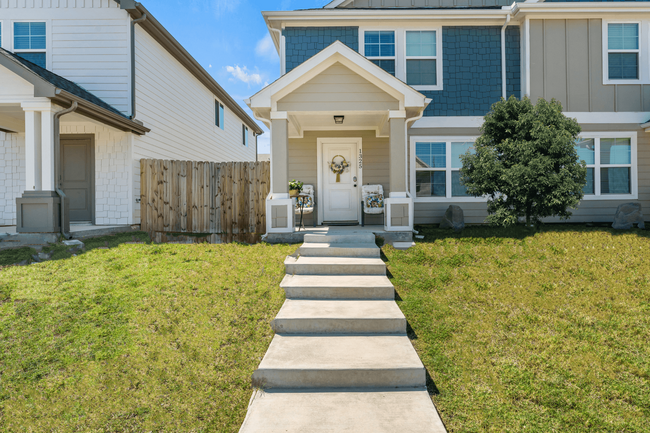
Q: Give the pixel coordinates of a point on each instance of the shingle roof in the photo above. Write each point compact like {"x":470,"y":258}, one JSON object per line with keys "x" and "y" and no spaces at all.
{"x":60,"y":82}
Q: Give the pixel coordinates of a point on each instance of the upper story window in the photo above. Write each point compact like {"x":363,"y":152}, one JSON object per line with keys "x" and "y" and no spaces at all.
{"x":30,"y":42}
{"x":611,"y":165}
{"x":437,"y":168}
{"x":379,"y":47}
{"x":245,"y":135}
{"x":413,"y":56}
{"x":219,"y":114}
{"x":623,"y":50}
{"x":421,"y":58}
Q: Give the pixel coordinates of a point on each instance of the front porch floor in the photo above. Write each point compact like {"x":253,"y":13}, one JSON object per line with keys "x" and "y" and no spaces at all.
{"x":398,"y":239}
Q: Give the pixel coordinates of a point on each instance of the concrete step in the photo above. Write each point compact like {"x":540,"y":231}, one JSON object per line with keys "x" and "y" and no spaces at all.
{"x":339,"y":317}
{"x":347,"y":238}
{"x":327,"y":361}
{"x":338,"y":287}
{"x":334,"y":266}
{"x":326,"y":249}
{"x":347,"y":410}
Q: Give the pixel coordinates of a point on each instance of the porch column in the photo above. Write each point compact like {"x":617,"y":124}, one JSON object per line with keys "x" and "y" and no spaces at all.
{"x":397,"y":153}
{"x":32,"y":150}
{"x":280,"y":154}
{"x":280,"y":207}
{"x":47,"y":150}
{"x":399,"y":206}
{"x":39,"y":208}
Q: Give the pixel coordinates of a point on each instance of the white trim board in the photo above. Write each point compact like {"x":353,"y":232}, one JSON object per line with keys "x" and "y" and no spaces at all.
{"x":582,"y":117}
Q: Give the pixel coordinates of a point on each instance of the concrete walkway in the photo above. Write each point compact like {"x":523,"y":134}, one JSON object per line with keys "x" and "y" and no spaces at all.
{"x":340,"y":360}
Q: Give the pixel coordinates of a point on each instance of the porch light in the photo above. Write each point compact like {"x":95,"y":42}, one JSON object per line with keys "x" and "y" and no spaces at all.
{"x":339,"y":120}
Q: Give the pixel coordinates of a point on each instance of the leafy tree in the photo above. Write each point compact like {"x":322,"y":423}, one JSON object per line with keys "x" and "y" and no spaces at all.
{"x":526,"y":162}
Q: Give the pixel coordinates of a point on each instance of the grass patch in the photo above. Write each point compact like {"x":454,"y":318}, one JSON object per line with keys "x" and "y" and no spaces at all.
{"x":12,"y":256}
{"x":136,"y":338}
{"x":524,"y":331}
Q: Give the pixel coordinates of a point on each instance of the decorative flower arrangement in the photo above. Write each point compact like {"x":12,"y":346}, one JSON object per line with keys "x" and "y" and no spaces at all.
{"x":338,"y":168}
{"x":295,"y":187}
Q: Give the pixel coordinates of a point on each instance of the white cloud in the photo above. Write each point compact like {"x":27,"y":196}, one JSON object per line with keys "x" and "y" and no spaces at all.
{"x":221,"y":6}
{"x":244,"y":75}
{"x":266,"y":48}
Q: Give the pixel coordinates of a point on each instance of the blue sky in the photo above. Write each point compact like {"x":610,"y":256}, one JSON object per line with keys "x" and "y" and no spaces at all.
{"x":230,"y":40}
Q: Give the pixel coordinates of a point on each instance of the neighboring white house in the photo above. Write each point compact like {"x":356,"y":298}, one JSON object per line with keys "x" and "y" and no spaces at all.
{"x":138,"y":94}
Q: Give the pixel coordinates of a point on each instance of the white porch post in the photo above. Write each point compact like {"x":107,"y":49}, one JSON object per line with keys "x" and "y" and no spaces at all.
{"x":47,"y":150}
{"x":39,"y":208}
{"x":399,"y":206}
{"x":279,"y":208}
{"x":32,"y":150}
{"x":280,"y":154}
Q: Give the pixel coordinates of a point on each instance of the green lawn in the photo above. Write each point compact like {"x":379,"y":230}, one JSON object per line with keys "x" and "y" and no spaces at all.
{"x":524,"y":332}
{"x":136,"y":338}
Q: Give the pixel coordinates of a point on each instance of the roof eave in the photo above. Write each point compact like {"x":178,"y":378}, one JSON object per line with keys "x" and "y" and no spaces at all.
{"x":95,"y":112}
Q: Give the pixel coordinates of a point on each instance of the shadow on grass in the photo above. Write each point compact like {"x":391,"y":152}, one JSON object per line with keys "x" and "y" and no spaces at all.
{"x":27,"y":255}
{"x":431,"y":385}
{"x":433,"y":233}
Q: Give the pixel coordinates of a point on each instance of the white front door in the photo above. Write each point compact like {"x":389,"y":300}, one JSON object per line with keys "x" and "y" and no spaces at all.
{"x":341,"y":201}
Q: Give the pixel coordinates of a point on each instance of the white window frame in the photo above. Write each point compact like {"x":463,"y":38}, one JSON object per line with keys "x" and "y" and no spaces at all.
{"x":437,"y":58}
{"x":245,"y":135}
{"x":448,"y":169}
{"x":634,"y":177}
{"x":400,"y":51}
{"x":2,"y":35}
{"x":363,"y":46}
{"x":644,"y":56}
{"x":48,"y":41}
{"x":220,"y":127}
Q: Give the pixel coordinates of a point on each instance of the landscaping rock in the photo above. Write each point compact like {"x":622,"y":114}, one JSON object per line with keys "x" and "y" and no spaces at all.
{"x":627,"y":215}
{"x":453,"y":219}
{"x":44,"y":256}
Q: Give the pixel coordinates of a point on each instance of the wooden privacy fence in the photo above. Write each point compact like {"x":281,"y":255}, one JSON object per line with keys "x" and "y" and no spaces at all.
{"x":204,"y":197}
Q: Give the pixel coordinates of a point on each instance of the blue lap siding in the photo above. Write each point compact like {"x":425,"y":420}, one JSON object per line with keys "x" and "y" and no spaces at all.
{"x":303,"y":43}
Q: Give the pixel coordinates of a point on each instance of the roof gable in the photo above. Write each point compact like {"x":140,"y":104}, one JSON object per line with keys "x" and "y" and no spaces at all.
{"x":342,"y":54}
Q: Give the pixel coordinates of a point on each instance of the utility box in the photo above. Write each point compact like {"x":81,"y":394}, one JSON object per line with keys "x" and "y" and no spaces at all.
{"x":40,"y":212}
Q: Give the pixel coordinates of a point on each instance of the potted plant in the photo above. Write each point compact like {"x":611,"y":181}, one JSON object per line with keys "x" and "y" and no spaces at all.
{"x":294,"y":188}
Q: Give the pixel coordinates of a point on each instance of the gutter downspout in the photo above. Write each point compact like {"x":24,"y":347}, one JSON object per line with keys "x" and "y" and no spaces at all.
{"x":504,"y":85}
{"x":406,"y":148}
{"x":133,"y":23}
{"x":57,"y":164}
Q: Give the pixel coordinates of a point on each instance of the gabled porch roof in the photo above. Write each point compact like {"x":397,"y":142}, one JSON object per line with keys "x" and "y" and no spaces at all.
{"x":410,"y":101}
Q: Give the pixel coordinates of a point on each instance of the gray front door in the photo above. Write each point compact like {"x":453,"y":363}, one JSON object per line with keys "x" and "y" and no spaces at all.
{"x":77,"y":174}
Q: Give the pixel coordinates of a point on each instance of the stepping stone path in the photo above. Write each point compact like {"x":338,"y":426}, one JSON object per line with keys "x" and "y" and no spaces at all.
{"x":340,"y":360}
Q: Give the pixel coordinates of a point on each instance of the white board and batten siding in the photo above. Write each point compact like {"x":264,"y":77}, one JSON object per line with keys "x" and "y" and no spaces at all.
{"x":87,"y":42}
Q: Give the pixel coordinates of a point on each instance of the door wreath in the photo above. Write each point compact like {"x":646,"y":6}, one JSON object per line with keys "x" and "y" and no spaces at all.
{"x":338,"y":168}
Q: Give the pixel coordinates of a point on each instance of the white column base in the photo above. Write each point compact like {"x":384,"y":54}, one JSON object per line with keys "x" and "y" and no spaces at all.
{"x":399,"y":214}
{"x":279,"y":215}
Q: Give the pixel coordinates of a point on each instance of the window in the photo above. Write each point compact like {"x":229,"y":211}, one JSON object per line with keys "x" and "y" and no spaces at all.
{"x":30,"y":42}
{"x":379,"y":47}
{"x":245,"y":135}
{"x":437,"y":168}
{"x":623,"y":50}
{"x":421,"y":58}
{"x":219,"y":115}
{"x":0,"y":34}
{"x":611,"y":166}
